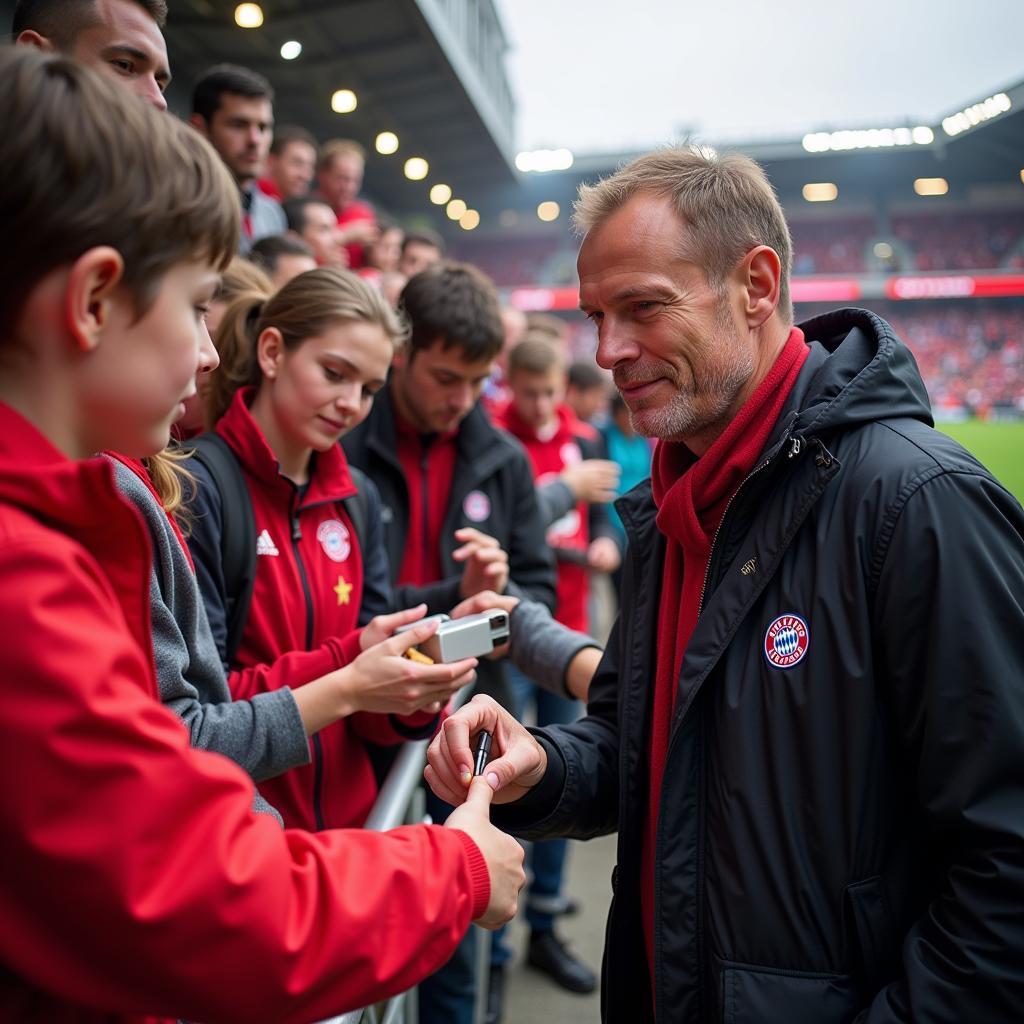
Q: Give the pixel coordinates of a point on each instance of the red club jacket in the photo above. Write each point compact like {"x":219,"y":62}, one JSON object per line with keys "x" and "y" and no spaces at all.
{"x":570,"y":535}
{"x":136,"y":879}
{"x":302,"y":619}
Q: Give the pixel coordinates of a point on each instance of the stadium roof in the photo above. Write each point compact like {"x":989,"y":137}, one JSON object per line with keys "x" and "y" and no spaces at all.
{"x":431,"y":71}
{"x":987,"y":158}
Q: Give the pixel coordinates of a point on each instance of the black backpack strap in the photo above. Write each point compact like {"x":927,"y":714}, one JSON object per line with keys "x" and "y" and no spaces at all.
{"x":237,"y":533}
{"x":358,"y":505}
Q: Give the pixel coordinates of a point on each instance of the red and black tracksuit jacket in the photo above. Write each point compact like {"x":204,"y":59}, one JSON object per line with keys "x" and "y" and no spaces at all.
{"x":303,"y":617}
{"x":570,"y":535}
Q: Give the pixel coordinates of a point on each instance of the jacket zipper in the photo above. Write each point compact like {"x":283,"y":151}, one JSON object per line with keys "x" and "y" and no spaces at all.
{"x":795,"y":447}
{"x":318,"y":751}
{"x":425,"y":510}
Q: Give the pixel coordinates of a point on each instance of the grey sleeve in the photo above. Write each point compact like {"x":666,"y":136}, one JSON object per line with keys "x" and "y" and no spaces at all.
{"x":555,"y":500}
{"x":264,"y":735}
{"x":542,"y":648}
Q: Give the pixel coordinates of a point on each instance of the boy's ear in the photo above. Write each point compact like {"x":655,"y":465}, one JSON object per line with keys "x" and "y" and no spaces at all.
{"x":30,"y":37}
{"x":199,"y":123}
{"x":92,"y":281}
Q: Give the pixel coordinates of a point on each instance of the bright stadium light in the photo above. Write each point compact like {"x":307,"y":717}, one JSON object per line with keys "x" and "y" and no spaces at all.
{"x":820,"y":192}
{"x":386,"y":143}
{"x":976,"y":114}
{"x":248,"y":15}
{"x":867,"y":138}
{"x":931,"y":186}
{"x":291,"y":49}
{"x":440,"y":193}
{"x":455,"y":209}
{"x":469,"y":220}
{"x":883,"y":250}
{"x":416,"y":168}
{"x":344,"y":101}
{"x":542,"y":160}
{"x":549,"y":210}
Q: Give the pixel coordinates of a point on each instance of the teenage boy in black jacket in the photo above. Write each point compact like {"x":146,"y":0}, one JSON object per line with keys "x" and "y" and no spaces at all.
{"x":808,"y":727}
{"x":451,"y":485}
{"x":447,"y":477}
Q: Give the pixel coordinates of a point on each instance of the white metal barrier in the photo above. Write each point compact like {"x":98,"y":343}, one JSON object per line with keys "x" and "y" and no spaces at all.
{"x":401,"y":801}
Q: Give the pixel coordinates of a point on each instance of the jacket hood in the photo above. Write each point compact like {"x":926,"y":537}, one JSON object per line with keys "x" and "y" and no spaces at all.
{"x":41,"y":480}
{"x":858,"y":371}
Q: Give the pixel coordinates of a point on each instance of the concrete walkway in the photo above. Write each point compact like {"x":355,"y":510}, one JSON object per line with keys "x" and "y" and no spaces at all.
{"x":531,"y":997}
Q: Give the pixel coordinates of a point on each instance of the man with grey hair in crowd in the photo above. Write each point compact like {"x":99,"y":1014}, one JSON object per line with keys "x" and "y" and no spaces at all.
{"x":808,"y":727}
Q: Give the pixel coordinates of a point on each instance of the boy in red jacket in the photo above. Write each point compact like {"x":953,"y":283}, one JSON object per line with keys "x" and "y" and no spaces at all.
{"x":125,"y":849}
{"x":554,"y":438}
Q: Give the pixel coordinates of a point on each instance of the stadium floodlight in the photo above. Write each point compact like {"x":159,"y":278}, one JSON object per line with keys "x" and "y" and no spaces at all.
{"x":469,"y":220}
{"x":416,"y":168}
{"x":976,"y":114}
{"x":867,"y":138}
{"x":344,"y":101}
{"x":883,"y":250}
{"x":1022,"y":175}
{"x":542,"y":160}
{"x":291,"y":49}
{"x":440,"y":193}
{"x":931,"y":186}
{"x":386,"y":143}
{"x":820,"y":191}
{"x":455,"y":209}
{"x":549,"y":210}
{"x":248,"y":15}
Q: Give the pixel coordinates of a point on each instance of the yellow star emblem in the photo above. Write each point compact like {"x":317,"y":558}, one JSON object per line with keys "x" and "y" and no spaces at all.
{"x":343,"y":589}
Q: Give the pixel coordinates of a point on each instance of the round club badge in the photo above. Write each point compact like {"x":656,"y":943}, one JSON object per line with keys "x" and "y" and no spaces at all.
{"x":570,"y":453}
{"x":477,"y":506}
{"x":786,"y":641}
{"x":334,"y":539}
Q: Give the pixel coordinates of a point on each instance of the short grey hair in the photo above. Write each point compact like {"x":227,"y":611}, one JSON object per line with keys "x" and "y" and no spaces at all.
{"x":725,"y":200}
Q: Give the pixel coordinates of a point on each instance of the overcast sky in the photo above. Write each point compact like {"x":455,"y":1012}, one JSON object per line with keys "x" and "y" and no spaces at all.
{"x":605,"y":75}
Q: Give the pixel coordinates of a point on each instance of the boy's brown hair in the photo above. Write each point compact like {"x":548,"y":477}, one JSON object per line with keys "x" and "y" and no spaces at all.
{"x":457,"y":305}
{"x":534,"y":355}
{"x":86,"y":163}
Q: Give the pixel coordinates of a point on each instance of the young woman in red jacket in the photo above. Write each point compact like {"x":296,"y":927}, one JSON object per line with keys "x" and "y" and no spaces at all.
{"x":297,"y":370}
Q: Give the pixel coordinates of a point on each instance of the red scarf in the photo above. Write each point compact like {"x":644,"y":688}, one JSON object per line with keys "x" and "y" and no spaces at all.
{"x":692,"y":496}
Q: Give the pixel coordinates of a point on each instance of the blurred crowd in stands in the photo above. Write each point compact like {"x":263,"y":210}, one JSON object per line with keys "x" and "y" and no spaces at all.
{"x":303,"y":207}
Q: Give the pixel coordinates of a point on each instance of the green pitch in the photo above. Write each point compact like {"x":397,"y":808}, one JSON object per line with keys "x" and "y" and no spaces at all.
{"x":999,"y":446}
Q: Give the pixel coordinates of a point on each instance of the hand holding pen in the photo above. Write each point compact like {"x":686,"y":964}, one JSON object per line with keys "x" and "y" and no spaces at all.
{"x":483,"y":739}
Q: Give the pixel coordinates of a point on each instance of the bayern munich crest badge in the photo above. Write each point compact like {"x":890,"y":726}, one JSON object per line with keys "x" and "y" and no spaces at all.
{"x":786,"y":641}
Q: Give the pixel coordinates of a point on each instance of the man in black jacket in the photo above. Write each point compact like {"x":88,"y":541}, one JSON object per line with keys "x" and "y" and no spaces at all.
{"x":457,"y":495}
{"x":808,"y":727}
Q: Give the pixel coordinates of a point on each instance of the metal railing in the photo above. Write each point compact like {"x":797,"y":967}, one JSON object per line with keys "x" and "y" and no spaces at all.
{"x":401,"y":801}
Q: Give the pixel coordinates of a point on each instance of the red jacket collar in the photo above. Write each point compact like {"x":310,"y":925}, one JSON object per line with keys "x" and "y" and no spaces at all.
{"x":79,"y":498}
{"x":510,"y":420}
{"x":330,"y":480}
{"x":39,"y":478}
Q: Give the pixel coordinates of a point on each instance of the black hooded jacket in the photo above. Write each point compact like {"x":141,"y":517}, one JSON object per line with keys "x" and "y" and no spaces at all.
{"x":842,"y":839}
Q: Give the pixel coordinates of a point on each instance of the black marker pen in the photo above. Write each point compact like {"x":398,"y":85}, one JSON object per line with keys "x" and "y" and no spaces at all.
{"x":483,"y":752}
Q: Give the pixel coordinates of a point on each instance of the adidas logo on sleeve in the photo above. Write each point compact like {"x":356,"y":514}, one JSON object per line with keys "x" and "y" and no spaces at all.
{"x":266,"y":546}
